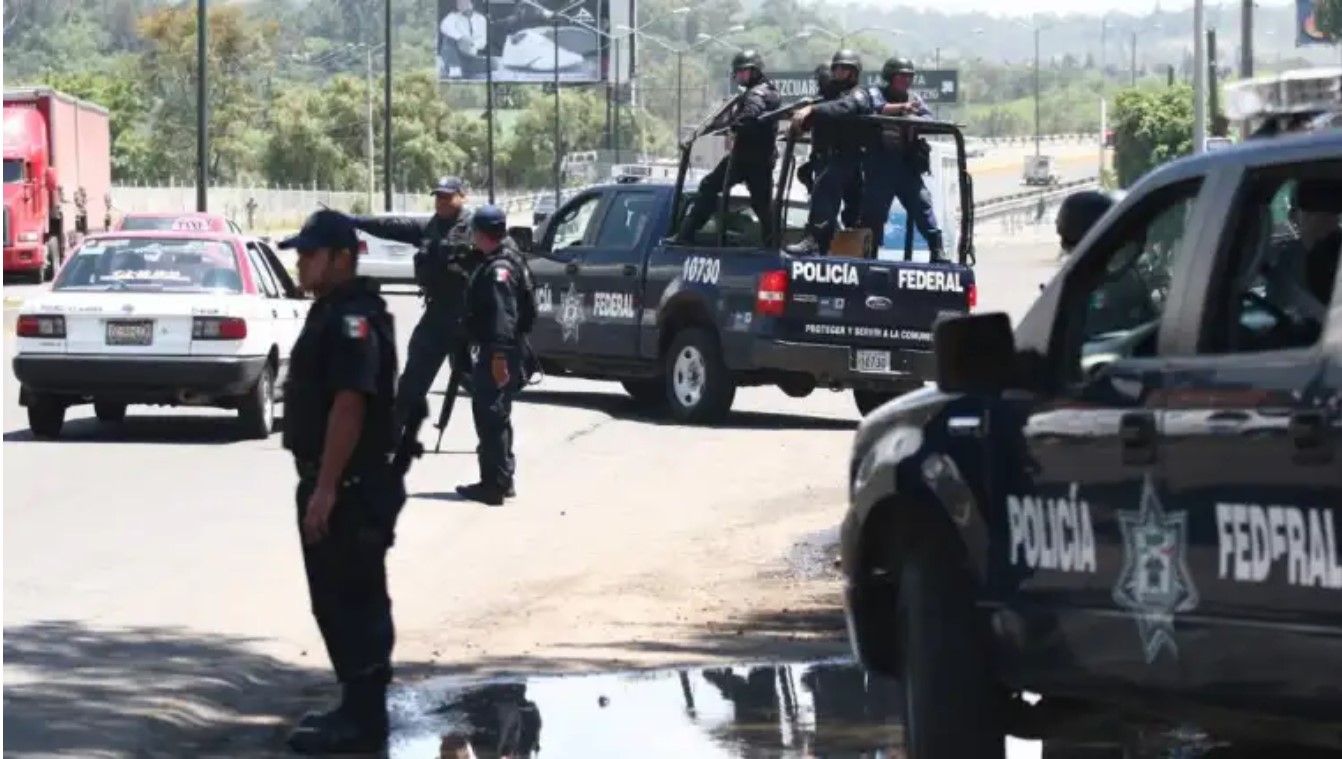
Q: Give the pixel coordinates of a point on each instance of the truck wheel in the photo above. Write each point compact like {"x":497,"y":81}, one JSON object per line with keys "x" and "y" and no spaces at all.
{"x":952,"y":707}
{"x":645,"y":392}
{"x":256,"y":415}
{"x":699,"y":388}
{"x":51,"y":261}
{"x":46,"y":417}
{"x":109,"y":412}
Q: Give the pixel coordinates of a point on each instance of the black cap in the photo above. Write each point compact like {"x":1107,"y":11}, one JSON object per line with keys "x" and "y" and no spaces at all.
{"x":490,"y":219}
{"x":449,"y":186}
{"x":324,"y":229}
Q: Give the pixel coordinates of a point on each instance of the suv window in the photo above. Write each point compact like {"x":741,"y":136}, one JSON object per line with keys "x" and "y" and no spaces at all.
{"x":1125,"y":281}
{"x":1281,"y":262}
{"x":570,"y":226}
{"x":625,"y":222}
{"x":743,"y":226}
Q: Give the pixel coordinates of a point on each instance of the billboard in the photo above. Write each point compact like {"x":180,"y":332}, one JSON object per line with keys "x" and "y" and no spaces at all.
{"x":935,"y":86}
{"x":526,"y":40}
{"x":1307,"y":27}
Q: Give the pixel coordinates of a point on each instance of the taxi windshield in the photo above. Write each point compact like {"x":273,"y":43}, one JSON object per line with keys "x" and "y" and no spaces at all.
{"x":13,"y":170}
{"x":161,"y":264}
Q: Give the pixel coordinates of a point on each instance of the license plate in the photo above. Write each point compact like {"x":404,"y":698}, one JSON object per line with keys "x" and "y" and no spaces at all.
{"x":130,"y":333}
{"x":872,"y":362}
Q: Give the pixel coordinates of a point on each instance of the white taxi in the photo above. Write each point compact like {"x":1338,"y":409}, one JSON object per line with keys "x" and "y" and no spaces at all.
{"x":161,"y":318}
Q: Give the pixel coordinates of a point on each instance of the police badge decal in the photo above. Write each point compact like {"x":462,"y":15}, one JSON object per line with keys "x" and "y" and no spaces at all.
{"x":1155,"y":583}
{"x":570,"y":315}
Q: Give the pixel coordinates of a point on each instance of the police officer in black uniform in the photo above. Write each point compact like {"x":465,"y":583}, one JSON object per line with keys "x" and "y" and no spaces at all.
{"x":896,"y":161}
{"x":444,"y":247}
{"x":1078,"y":213}
{"x":850,"y":216}
{"x":836,"y":148}
{"x":339,"y":427}
{"x":498,"y":312}
{"x":754,"y":151}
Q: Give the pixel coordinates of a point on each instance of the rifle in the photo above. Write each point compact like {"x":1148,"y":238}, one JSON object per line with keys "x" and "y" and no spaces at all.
{"x":787,"y":110}
{"x":707,"y":125}
{"x":408,"y":448}
{"x":459,"y":363}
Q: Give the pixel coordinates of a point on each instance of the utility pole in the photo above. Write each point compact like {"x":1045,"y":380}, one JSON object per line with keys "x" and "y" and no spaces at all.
{"x":1213,"y":104}
{"x":202,"y":110}
{"x":372,"y":171}
{"x":386,"y":106}
{"x":1246,"y":39}
{"x":489,"y":95}
{"x":1199,"y":77}
{"x":1036,"y":91}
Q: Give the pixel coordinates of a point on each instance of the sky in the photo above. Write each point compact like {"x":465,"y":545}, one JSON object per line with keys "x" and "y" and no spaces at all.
{"x":1027,"y":7}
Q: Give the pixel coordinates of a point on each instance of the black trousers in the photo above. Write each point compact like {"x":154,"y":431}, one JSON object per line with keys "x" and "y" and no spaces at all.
{"x":756,"y":173}
{"x":492,"y":408}
{"x":436,"y":336}
{"x":850,"y":216}
{"x":347,"y":574}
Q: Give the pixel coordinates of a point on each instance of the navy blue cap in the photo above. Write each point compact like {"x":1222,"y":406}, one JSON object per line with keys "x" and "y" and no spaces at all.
{"x":448,"y":186}
{"x":324,"y":229}
{"x":489,"y":218}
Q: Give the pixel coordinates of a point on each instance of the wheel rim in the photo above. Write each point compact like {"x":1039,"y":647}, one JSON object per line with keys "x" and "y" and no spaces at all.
{"x":688,"y":376}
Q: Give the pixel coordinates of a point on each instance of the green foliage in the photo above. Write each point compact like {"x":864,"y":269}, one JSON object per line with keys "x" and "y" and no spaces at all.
{"x":1151,"y":127}
{"x":1328,"y":15}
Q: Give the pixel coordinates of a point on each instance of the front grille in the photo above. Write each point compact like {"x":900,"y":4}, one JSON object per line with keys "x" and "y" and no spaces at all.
{"x":9,"y":233}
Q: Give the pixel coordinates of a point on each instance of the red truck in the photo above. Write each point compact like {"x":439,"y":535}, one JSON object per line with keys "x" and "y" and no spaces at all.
{"x":58,"y":177}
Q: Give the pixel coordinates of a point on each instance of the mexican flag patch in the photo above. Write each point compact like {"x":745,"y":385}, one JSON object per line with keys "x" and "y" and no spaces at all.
{"x":356,"y":327}
{"x":500,"y":274}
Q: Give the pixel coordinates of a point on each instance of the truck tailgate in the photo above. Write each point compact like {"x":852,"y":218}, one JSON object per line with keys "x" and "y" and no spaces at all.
{"x":887,"y":304}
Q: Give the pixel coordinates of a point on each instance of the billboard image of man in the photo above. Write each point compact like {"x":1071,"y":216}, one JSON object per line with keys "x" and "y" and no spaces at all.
{"x":462,"y":36}
{"x":528,"y":41}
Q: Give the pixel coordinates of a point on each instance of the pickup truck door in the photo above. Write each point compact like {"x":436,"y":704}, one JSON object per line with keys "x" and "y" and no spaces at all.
{"x":1251,"y":443}
{"x":563,"y":297}
{"x":613,"y":269}
{"x":1073,"y":465}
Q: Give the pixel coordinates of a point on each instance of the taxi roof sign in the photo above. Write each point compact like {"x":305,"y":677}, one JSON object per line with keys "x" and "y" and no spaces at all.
{"x":1297,"y":92}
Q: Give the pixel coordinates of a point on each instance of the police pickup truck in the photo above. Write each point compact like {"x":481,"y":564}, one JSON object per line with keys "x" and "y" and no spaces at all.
{"x":1132,"y":506}
{"x":686,"y":325}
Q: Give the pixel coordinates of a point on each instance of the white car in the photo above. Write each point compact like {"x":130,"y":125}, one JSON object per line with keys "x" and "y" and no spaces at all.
{"x":160,"y":318}
{"x":385,"y":260}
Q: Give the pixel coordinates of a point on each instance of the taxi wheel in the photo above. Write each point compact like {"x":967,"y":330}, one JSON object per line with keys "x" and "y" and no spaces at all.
{"x":46,"y":417}
{"x":257,"y":412}
{"x":109,"y":411}
{"x":952,"y":707}
{"x":699,"y":387}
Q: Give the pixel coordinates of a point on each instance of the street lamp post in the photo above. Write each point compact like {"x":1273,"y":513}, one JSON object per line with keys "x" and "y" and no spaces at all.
{"x":1036,"y":91}
{"x":202,"y":111}
{"x":702,"y":40}
{"x":558,"y":157}
{"x":843,"y":36}
{"x":1199,"y":77}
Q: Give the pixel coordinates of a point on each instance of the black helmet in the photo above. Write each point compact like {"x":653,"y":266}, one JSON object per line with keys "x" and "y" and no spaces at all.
{"x":896,"y":65}
{"x":846,"y":57}
{"x":748,"y":59}
{"x":1079,"y":212}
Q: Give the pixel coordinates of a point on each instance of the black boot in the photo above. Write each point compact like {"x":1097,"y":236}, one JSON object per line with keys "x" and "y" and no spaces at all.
{"x":488,"y":494}
{"x":809,"y":246}
{"x":357,"y":726}
{"x":936,"y":251}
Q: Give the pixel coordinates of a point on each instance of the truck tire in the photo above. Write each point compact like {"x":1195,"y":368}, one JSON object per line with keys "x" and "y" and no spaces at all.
{"x":699,"y":388}
{"x":109,"y":412}
{"x":952,"y":707}
{"x":46,"y":417}
{"x":256,"y":414}
{"x":648,"y":392}
{"x":51,"y":261}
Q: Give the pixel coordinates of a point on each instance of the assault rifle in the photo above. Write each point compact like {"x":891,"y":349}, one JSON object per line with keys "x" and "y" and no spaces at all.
{"x":460,"y":363}
{"x":408,"y":448}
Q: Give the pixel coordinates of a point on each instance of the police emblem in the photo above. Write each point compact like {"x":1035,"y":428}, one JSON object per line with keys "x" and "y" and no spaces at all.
{"x":1155,"y":583}
{"x":570,"y":316}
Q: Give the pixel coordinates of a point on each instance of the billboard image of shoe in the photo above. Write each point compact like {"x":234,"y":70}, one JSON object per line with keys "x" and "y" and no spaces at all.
{"x":522,"y":40}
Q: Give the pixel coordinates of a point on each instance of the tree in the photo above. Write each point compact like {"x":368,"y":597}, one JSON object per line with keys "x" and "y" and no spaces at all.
{"x":1328,"y":17}
{"x":1151,"y":127}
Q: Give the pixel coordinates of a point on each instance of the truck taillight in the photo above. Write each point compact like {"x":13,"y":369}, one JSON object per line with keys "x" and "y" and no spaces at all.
{"x":771,"y":297}
{"x":35,"y":325}
{"x":218,"y":328}
{"x":973,"y":296}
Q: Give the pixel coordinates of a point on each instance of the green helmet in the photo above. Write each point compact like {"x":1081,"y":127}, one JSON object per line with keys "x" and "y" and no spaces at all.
{"x":748,"y":59}
{"x":847,"y":57}
{"x":896,"y":65}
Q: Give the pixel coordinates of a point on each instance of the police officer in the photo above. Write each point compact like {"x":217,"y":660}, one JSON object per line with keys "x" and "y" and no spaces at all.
{"x":1078,"y":213}
{"x":754,"y":151}
{"x":836,"y":148}
{"x":339,"y":427}
{"x":496,"y":322}
{"x":444,"y":247}
{"x":850,"y":216}
{"x":896,"y":161}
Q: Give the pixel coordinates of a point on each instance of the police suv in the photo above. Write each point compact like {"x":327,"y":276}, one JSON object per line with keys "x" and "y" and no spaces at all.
{"x":686,"y":325}
{"x":1131,"y":507}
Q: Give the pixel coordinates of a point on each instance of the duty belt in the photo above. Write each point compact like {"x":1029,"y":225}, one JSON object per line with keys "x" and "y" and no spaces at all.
{"x":309,"y":469}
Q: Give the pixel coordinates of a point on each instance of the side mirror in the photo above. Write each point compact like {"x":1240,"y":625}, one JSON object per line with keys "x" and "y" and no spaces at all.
{"x":522,"y":236}
{"x":975,"y":353}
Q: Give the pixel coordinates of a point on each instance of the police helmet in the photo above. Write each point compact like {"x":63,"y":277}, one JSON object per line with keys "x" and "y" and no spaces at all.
{"x":896,"y":65}
{"x":1079,"y":212}
{"x":847,"y":57}
{"x":748,"y":59}
{"x":490,"y":219}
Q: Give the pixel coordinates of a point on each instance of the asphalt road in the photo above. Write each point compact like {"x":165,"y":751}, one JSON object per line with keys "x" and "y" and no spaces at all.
{"x":153,"y":589}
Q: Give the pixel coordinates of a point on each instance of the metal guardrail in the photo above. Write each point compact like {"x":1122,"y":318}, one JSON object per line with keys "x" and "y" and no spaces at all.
{"x":1052,"y":139}
{"x":1031,"y":198}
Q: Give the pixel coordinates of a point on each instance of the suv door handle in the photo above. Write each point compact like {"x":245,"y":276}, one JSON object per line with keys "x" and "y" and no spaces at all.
{"x":1309,"y":433}
{"x":1137,"y":436}
{"x":630,"y":270}
{"x":571,"y":269}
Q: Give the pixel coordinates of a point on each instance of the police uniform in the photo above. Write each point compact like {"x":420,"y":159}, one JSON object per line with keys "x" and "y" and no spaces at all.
{"x":754,"y":151}
{"x":494,"y":324}
{"x":444,"y":246}
{"x":347,"y":344}
{"x":895,"y":164}
{"x":836,"y":149}
{"x":850,"y":216}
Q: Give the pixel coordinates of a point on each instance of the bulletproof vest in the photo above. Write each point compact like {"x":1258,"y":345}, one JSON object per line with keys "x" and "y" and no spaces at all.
{"x":307,"y":396}
{"x":526,"y":297}
{"x":758,"y":138}
{"x":842,"y":135}
{"x":441,"y":262}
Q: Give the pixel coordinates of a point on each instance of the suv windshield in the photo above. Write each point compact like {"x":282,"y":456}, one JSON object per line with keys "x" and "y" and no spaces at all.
{"x":13,"y":170}
{"x":167,"y":264}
